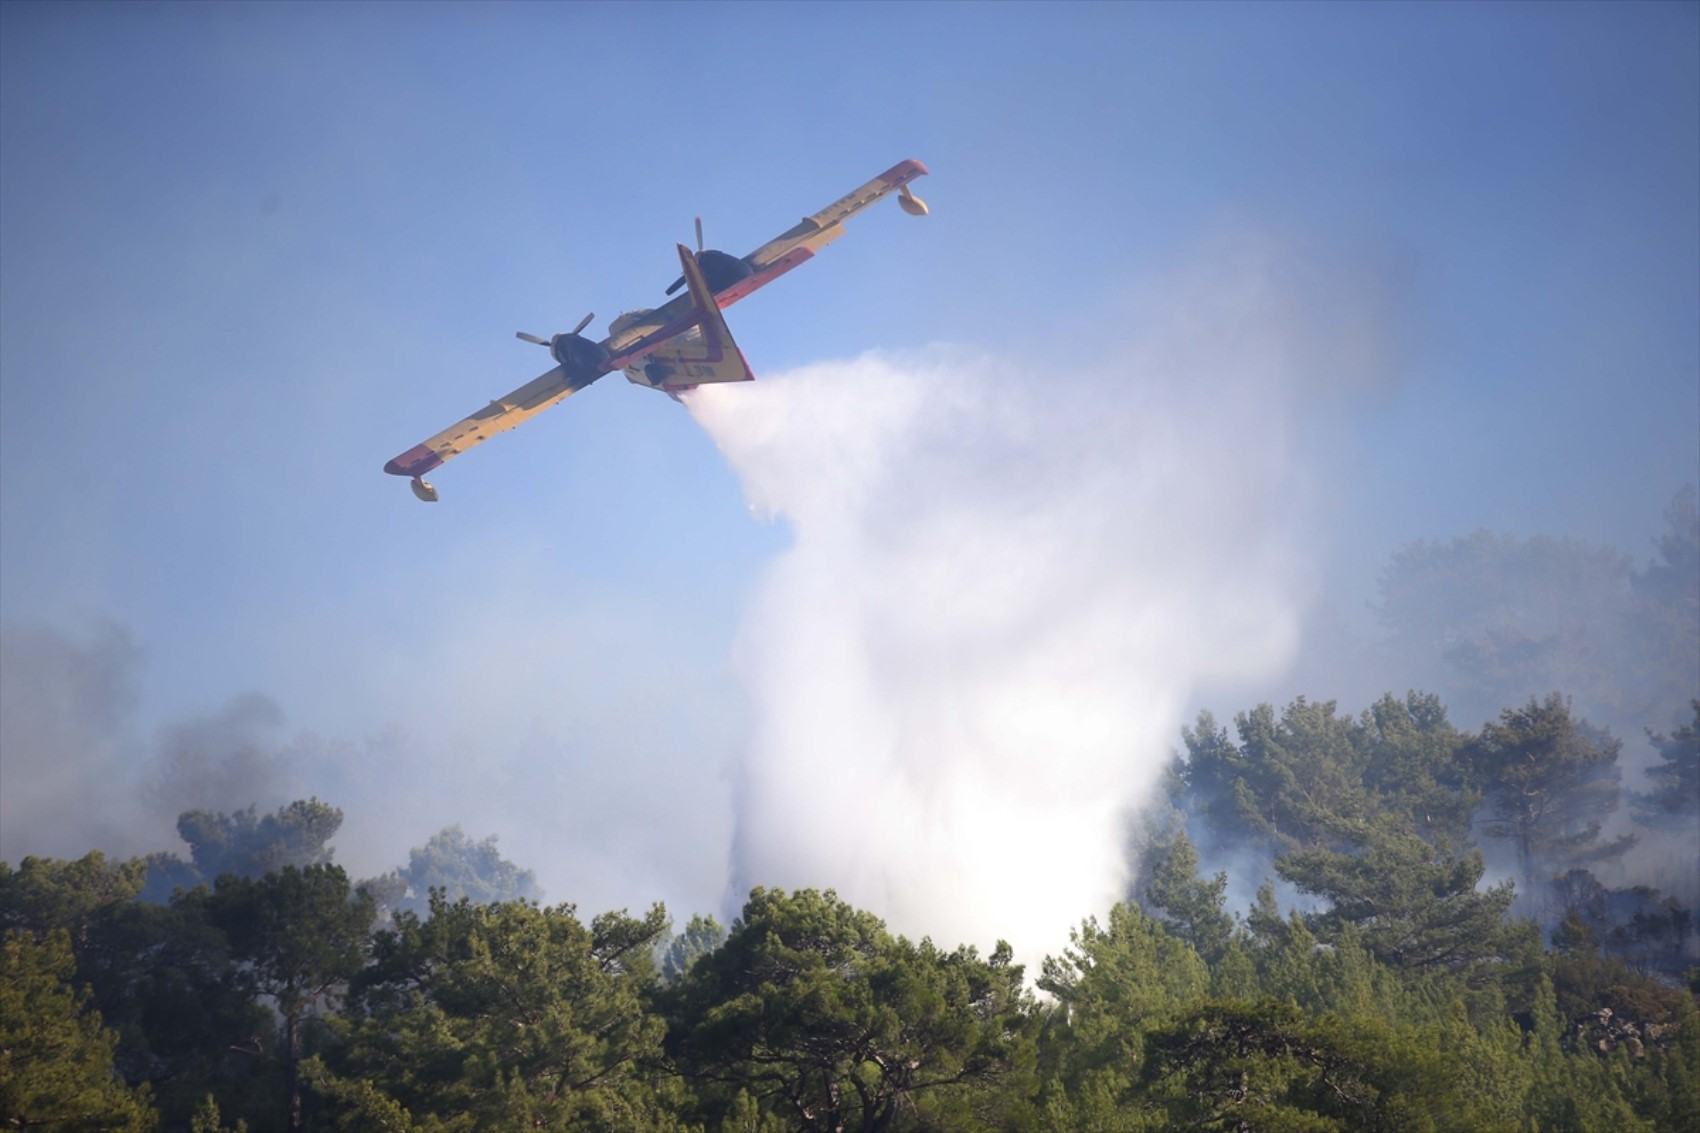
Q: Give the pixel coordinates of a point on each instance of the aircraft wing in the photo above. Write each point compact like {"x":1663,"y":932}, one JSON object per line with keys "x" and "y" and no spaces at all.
{"x":680,"y":344}
{"x":802,"y":240}
{"x":825,"y":226}
{"x":799,"y":243}
{"x":499,"y":416}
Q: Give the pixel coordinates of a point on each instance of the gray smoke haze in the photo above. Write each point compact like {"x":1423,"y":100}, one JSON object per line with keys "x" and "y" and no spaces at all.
{"x":64,"y":704}
{"x":223,"y":762}
{"x":1010,"y":576}
{"x":75,"y":776}
{"x":551,"y":733}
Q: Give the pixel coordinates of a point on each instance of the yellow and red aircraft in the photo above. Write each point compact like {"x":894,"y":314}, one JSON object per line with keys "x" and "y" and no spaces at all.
{"x":678,"y":346}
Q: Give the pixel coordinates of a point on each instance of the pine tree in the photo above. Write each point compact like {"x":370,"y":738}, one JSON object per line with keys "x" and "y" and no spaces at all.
{"x":1549,"y":781}
{"x":56,"y":1058}
{"x":1190,"y":908}
{"x":1674,"y":800}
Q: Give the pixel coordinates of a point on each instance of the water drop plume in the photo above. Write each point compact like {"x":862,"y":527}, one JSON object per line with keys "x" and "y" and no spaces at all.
{"x":1007,"y":576}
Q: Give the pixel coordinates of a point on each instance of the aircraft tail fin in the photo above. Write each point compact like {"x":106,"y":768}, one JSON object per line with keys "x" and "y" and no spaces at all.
{"x":709,"y":354}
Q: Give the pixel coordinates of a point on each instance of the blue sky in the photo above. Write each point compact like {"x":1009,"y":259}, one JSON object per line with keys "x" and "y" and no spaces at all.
{"x":250,"y":252}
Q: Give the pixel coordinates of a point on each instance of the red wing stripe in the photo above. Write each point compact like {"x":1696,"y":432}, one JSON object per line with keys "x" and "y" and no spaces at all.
{"x":903,"y":172}
{"x":416,"y":461}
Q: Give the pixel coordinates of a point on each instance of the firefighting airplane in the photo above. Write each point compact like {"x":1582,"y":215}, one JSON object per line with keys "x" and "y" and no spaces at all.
{"x":676,"y":347}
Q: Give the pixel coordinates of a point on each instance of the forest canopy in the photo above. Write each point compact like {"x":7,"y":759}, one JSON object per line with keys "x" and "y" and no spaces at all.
{"x":1378,"y":980}
{"x":1393,"y":918}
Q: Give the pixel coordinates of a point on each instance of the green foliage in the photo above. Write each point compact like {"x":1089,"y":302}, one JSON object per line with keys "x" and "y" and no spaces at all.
{"x":827,"y":1021}
{"x":300,"y":932}
{"x":1342,"y":977}
{"x":56,"y":1068}
{"x":301,"y":935}
{"x":1308,"y":777}
{"x":45,"y":894}
{"x":1572,"y":1091}
{"x":1265,"y":1064}
{"x":164,"y":979}
{"x":745,"y":1115}
{"x":1289,"y":776}
{"x":1674,"y":800}
{"x":1399,"y":998}
{"x":1669,"y":1095}
{"x":1234,"y":976}
{"x":498,"y":1016}
{"x":208,"y":1119}
{"x":1113,"y":985}
{"x":1191,"y":909}
{"x":1413,"y":767}
{"x":1414,"y":905}
{"x":702,"y":935}
{"x":1589,"y":985}
{"x":459,"y":867}
{"x":387,"y":891}
{"x":249,"y":846}
{"x":353,"y":1105}
{"x":1264,"y":924}
{"x":1484,"y":1072}
{"x":160,"y":977}
{"x":1257,"y":1066}
{"x":244,"y":844}
{"x":1549,"y":781}
{"x":1637,"y":923}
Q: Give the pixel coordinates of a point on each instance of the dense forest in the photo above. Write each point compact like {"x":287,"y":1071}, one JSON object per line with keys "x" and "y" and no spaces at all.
{"x":1372,"y":921}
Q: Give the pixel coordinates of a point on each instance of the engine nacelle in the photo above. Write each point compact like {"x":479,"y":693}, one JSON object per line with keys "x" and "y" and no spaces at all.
{"x":582,"y":359}
{"x":722,"y":269}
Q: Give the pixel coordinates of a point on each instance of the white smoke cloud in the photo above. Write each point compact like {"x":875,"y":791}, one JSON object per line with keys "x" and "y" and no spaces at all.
{"x":1007,"y":578}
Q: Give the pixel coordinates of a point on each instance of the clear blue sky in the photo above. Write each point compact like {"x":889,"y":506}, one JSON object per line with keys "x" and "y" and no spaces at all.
{"x":250,"y":252}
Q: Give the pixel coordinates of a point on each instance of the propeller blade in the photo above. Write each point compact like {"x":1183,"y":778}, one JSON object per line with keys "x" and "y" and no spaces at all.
{"x":523,"y":337}
{"x":680,"y":282}
{"x":584,"y":322}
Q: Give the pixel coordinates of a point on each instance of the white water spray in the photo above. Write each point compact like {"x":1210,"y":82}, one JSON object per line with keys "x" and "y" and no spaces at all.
{"x":1007,"y":578}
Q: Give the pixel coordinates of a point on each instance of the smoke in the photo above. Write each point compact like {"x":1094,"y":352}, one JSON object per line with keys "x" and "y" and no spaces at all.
{"x":223,"y":762}
{"x":1008,"y":577}
{"x":557,"y":738}
{"x":64,"y":703}
{"x":75,"y":777}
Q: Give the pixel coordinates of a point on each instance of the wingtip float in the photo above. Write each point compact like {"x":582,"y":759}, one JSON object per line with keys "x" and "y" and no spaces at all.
{"x":676,"y":347}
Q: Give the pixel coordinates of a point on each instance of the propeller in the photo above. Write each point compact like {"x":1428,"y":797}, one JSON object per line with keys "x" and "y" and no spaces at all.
{"x":524,"y":337}
{"x":680,"y":282}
